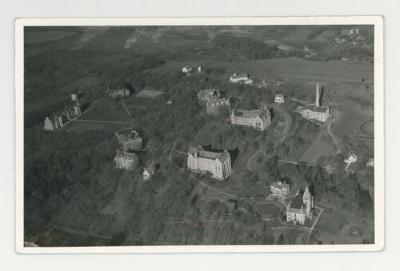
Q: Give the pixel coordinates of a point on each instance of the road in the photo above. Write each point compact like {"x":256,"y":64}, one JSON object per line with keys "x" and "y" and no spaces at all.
{"x":315,"y":223}
{"x":285,"y":132}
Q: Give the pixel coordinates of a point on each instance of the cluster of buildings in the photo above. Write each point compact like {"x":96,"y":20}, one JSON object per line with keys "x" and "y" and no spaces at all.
{"x":129,"y":142}
{"x":58,"y":119}
{"x":258,"y":119}
{"x":316,"y":111}
{"x":213,"y":101}
{"x":241,"y":78}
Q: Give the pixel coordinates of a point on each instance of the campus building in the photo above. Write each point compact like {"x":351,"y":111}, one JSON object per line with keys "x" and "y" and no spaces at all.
{"x":217,"y":163}
{"x":279,"y":98}
{"x":241,"y":78}
{"x":300,"y":208}
{"x":129,"y":139}
{"x":121,"y":92}
{"x":125,"y":160}
{"x":207,"y":94}
{"x":257,"y":119}
{"x":280,"y":189}
{"x":58,"y":119}
{"x":316,"y":111}
{"x":214,"y":106}
{"x":187,"y":69}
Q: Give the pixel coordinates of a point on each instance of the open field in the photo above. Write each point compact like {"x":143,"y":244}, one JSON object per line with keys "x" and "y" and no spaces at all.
{"x":83,"y":126}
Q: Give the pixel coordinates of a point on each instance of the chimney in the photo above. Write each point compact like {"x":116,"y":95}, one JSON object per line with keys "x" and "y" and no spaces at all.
{"x":317,"y":98}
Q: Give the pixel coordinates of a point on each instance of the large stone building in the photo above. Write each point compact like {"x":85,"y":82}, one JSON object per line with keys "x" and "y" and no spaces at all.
{"x":316,"y":111}
{"x":129,"y":139}
{"x":257,"y":119}
{"x":125,"y":160}
{"x":207,"y":94}
{"x":217,"y":163}
{"x":300,"y":208}
{"x":241,"y":78}
{"x":58,"y":119}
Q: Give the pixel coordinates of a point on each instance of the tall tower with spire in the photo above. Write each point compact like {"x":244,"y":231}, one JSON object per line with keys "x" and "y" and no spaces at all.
{"x":308,"y":201}
{"x":317,"y":95}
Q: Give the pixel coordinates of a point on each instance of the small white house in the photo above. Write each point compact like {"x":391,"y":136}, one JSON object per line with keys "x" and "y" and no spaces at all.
{"x":352,"y":158}
{"x":187,"y":69}
{"x":241,"y":78}
{"x":279,"y":98}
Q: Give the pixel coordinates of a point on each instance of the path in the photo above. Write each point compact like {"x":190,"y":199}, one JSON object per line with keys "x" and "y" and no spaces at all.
{"x":331,"y":134}
{"x":315,"y":223}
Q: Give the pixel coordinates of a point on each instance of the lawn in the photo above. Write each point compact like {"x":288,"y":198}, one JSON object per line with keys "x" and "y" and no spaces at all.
{"x":78,"y":126}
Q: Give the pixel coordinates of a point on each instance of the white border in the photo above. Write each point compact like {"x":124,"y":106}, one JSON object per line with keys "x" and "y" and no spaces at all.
{"x":377,"y":21}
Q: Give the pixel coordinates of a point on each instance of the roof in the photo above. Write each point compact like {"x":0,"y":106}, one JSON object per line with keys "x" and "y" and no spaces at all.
{"x":128,"y":134}
{"x":220,"y":101}
{"x":222,"y":156}
{"x":280,"y":185}
{"x":240,"y":75}
{"x":297,"y":202}
{"x":321,"y":109}
{"x":125,"y":155}
{"x":207,"y":94}
{"x":249,"y":114}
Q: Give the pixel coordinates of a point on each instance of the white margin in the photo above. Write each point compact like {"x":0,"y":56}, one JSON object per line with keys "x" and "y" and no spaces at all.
{"x":379,"y":200}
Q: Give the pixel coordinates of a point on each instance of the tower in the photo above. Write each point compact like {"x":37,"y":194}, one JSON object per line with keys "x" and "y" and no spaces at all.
{"x":308,"y":201}
{"x":317,"y":95}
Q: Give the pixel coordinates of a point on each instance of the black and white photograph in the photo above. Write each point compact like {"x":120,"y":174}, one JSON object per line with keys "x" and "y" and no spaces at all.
{"x":249,"y":134}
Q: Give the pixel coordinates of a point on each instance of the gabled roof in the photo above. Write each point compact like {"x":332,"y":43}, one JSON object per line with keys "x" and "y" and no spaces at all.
{"x":250,"y":114}
{"x":297,"y":202}
{"x":221,"y":156}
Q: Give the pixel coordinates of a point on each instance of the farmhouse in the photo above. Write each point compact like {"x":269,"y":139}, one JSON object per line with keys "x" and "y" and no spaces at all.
{"x":241,"y":78}
{"x":280,"y":189}
{"x":207,"y":94}
{"x":118,"y":92}
{"x":125,"y":160}
{"x":217,"y":163}
{"x":316,"y":112}
{"x":300,"y":208}
{"x":279,"y":98}
{"x":58,"y":119}
{"x":129,"y":139}
{"x":215,"y":105}
{"x":257,"y":119}
{"x":187,"y":69}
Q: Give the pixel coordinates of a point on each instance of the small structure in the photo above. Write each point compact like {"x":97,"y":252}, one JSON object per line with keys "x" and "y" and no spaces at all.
{"x":121,"y":92}
{"x":207,"y":94}
{"x":148,"y":173}
{"x":257,"y":119}
{"x":352,"y":158}
{"x":241,"y":78}
{"x":316,"y":111}
{"x":187,"y":69}
{"x":370,"y":162}
{"x":280,"y":189}
{"x":199,"y":69}
{"x":279,"y":98}
{"x":214,"y":106}
{"x":349,"y":32}
{"x":217,"y":163}
{"x":129,"y":140}
{"x":125,"y":160}
{"x":300,"y":208}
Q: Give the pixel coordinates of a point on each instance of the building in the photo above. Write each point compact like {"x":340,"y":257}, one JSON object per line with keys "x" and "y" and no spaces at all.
{"x":58,"y":119}
{"x":129,"y":140}
{"x":370,"y":162}
{"x":241,"y":78}
{"x":352,"y":158}
{"x":148,"y":173}
{"x":214,"y":106}
{"x":279,"y":98}
{"x":300,"y":208}
{"x":187,"y":69}
{"x":121,"y":92}
{"x":207,"y":94}
{"x":257,"y":119}
{"x":316,"y":111}
{"x":349,"y":32}
{"x":280,"y":189}
{"x":217,"y":163}
{"x":125,"y":160}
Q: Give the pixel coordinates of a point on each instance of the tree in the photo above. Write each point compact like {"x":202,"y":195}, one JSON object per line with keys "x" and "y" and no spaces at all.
{"x":281,"y":239}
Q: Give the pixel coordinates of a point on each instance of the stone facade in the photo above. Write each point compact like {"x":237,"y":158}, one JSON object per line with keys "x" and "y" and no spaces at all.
{"x":217,"y":163}
{"x":257,"y":119}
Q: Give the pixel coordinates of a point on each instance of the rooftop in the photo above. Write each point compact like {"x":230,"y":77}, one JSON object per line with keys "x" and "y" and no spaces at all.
{"x":252,"y":113}
{"x":220,"y":155}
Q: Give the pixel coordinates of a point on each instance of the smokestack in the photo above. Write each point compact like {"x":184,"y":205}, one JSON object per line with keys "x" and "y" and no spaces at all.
{"x":317,"y":98}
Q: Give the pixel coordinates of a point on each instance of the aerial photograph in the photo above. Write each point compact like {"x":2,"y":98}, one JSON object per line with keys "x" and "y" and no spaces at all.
{"x":198,"y":135}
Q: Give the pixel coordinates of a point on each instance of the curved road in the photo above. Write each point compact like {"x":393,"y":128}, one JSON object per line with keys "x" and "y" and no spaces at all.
{"x":285,"y":132}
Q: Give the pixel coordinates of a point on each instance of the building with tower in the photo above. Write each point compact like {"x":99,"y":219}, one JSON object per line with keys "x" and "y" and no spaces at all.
{"x":316,"y":111}
{"x":300,"y":208}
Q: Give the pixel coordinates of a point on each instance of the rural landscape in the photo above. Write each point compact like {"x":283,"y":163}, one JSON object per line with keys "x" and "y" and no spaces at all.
{"x":198,"y":135}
